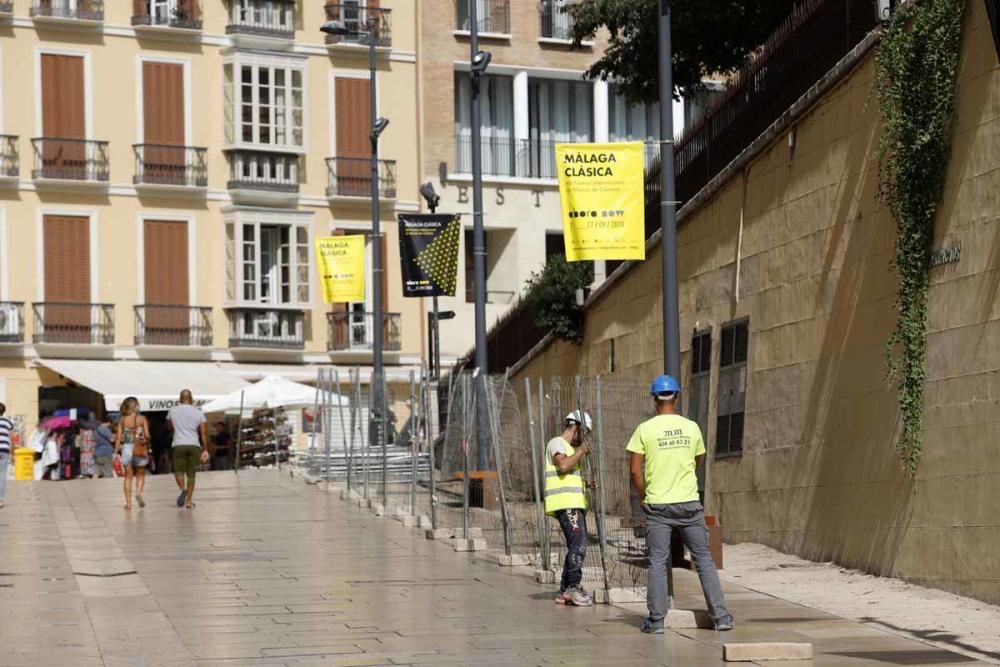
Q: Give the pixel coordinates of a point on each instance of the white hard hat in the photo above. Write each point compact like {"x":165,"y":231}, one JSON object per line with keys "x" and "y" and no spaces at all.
{"x":574,"y":417}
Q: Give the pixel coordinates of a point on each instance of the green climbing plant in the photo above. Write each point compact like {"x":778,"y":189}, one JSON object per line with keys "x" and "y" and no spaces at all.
{"x":552,"y":295}
{"x":916,"y":66}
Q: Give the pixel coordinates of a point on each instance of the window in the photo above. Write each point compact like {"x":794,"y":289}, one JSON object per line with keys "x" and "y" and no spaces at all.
{"x":496,"y":94}
{"x":273,"y":263}
{"x":632,"y":122}
{"x":559,"y":111}
{"x":264,"y":105}
{"x":555,"y":244}
{"x":732,"y":388}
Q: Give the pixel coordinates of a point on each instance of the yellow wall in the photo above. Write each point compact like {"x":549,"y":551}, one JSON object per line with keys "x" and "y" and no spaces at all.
{"x":819,"y":475}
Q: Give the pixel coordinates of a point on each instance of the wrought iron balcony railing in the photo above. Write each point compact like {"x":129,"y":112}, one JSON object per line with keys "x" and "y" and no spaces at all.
{"x":182,"y":14}
{"x":257,"y":170}
{"x":266,"y":18}
{"x":70,"y":159}
{"x":10,"y":162}
{"x":79,"y":10}
{"x":351,"y":177}
{"x":11,"y":322}
{"x":355,"y":331}
{"x":355,"y":18}
{"x":74,"y":323}
{"x":262,"y":327}
{"x":182,"y":326}
{"x":157,"y":164}
{"x":506,"y":156}
{"x":493,"y":16}
{"x":557,"y":22}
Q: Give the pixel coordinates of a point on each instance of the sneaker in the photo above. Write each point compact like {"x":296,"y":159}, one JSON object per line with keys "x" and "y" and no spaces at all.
{"x":651,"y":627}
{"x":181,"y":497}
{"x":727,"y":625}
{"x":561,"y":598}
{"x":576,"y":597}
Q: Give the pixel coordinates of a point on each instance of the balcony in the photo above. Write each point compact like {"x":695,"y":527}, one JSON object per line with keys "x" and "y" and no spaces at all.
{"x":11,"y":322}
{"x":509,"y":157}
{"x":493,"y":17}
{"x":10,"y":162}
{"x":74,"y":323}
{"x":167,"y":15}
{"x":257,"y":177}
{"x":355,"y":18}
{"x":71,"y":160}
{"x":354,"y":331}
{"x":84,"y":13}
{"x":350,"y":177}
{"x":170,"y":167}
{"x":262,"y":23}
{"x":179,"y":326}
{"x":557,"y":22}
{"x":266,"y":328}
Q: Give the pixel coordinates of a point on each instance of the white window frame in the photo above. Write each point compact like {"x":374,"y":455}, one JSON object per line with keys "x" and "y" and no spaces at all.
{"x":140,"y":111}
{"x":237,"y":61}
{"x":258,"y":219}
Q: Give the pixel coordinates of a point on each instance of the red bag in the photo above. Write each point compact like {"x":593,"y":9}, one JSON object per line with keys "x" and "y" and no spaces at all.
{"x":118,"y":467}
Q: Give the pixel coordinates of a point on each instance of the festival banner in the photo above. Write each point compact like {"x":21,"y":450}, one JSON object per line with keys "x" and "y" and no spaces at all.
{"x":428,"y":252}
{"x":341,"y":262}
{"x":603,"y":204}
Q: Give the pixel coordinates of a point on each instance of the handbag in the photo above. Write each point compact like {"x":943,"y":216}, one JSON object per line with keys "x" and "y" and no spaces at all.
{"x":140,"y":446}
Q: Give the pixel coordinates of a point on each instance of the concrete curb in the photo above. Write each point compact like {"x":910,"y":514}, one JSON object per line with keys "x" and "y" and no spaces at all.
{"x":766,"y":651}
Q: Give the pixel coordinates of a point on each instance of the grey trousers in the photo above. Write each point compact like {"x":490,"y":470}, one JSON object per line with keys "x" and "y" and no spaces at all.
{"x":689,"y":518}
{"x":4,"y":465}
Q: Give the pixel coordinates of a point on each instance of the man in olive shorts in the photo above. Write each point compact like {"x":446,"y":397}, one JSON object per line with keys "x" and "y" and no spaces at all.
{"x":190,"y":446}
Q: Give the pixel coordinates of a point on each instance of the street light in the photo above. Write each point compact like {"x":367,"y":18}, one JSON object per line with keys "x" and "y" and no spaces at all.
{"x":378,"y":125}
{"x":433,"y":199}
{"x":479,"y":61}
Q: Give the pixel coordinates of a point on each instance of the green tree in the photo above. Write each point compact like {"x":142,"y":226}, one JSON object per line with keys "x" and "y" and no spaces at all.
{"x":551,"y":294}
{"x":709,"y":36}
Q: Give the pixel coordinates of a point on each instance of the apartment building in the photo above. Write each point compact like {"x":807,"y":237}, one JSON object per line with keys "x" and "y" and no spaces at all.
{"x":165,"y":166}
{"x":533,"y":96}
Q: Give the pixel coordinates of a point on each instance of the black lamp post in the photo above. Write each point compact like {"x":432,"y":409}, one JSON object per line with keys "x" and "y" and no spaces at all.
{"x":433,"y":199}
{"x":378,"y":125}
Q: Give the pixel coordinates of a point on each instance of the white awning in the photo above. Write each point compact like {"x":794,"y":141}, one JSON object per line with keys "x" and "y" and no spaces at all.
{"x":157,"y":384}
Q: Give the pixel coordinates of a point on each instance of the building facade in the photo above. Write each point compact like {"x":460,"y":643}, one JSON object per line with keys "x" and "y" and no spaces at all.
{"x":787,"y":301}
{"x":166,"y":166}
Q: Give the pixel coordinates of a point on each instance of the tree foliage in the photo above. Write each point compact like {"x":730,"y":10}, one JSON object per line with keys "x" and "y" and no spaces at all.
{"x":916,"y":69}
{"x":551,"y":294}
{"x":709,"y":37}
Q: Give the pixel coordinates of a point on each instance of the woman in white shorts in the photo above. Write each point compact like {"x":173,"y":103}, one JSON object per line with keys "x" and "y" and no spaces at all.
{"x":132,"y":448}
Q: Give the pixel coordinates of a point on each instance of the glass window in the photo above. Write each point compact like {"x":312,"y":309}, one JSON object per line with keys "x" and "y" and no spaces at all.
{"x":559,"y":111}
{"x":274,"y":263}
{"x":496,"y":125}
{"x":271,"y":106}
{"x":732,"y":388}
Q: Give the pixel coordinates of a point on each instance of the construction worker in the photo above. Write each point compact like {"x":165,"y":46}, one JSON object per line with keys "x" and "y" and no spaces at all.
{"x":566,"y":500}
{"x":664,"y":453}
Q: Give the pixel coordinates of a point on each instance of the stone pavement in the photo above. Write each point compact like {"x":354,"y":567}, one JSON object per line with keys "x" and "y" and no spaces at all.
{"x":271,"y":571}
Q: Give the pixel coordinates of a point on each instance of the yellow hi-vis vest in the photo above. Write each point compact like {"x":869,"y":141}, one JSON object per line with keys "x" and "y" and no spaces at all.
{"x":563,"y":492}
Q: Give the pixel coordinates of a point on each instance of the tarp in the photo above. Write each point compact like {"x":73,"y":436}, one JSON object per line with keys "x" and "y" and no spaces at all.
{"x":271,"y":392}
{"x":157,"y":384}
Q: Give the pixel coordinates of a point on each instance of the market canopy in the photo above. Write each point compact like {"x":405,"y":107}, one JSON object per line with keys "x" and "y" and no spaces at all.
{"x":271,"y":392}
{"x":157,"y":384}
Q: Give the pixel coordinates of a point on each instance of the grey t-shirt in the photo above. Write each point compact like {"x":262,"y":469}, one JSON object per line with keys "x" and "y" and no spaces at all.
{"x":186,"y":419}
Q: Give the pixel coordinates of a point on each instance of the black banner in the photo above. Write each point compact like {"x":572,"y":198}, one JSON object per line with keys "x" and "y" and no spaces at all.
{"x":428,"y":251}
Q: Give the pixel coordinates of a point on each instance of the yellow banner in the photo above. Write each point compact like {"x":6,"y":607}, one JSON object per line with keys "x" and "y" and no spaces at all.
{"x":603,"y":203}
{"x":341,"y":262}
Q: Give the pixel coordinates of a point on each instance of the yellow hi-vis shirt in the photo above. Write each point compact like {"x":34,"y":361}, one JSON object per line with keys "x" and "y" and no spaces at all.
{"x":669,"y":443}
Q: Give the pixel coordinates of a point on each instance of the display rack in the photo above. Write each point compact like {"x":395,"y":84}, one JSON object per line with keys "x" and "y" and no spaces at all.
{"x":267,"y":433}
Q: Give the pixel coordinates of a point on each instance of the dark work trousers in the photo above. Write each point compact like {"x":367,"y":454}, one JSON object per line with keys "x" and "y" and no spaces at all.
{"x":574,"y":527}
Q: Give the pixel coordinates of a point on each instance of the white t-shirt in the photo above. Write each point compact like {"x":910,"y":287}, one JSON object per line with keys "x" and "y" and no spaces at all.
{"x":186,"y":419}
{"x":557,"y":445}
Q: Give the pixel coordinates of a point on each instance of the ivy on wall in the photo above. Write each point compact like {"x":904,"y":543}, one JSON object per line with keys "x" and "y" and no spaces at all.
{"x":915,"y":73}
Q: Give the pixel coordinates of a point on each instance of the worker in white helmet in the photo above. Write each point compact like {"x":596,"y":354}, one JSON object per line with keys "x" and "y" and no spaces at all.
{"x":566,"y":500}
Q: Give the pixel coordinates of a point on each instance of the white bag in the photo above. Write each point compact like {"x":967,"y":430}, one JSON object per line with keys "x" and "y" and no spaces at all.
{"x":37,"y":441}
{"x":51,"y":454}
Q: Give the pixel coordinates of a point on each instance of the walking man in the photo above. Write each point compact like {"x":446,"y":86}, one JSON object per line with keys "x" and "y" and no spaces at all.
{"x":104,"y":452}
{"x":6,"y":426}
{"x":566,"y":500}
{"x":189,"y":446}
{"x":663,"y":455}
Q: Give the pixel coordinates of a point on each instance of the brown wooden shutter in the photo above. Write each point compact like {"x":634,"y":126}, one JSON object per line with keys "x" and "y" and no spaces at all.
{"x":189,"y":10}
{"x":353,"y":109}
{"x":166,"y":262}
{"x":66,"y":260}
{"x":139,"y":8}
{"x":163,"y":122}
{"x":63,"y":113}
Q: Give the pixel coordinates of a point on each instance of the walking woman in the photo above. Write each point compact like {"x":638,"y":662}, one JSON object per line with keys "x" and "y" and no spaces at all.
{"x":132,"y":449}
